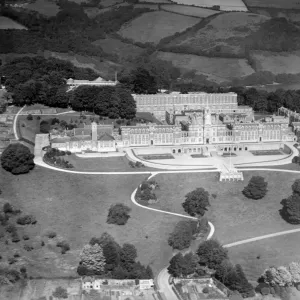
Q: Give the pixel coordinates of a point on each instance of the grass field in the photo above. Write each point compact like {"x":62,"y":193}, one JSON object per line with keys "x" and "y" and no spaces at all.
{"x":75,"y":206}
{"x":153,"y":26}
{"x":122,"y":50}
{"x":44,"y":7}
{"x":286,"y":4}
{"x":234,"y":216}
{"x":106,"y":3}
{"x":222,"y":68}
{"x":228,"y":5}
{"x":152,"y":6}
{"x":293,"y":15}
{"x":6,"y":23}
{"x":189,"y":10}
{"x":283,"y":62}
{"x":276,"y":251}
{"x":227,"y":31}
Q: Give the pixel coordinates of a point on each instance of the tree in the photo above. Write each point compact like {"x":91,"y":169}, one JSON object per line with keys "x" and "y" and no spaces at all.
{"x":92,"y":259}
{"x":29,"y":117}
{"x":17,"y":159}
{"x":294,"y":269}
{"x":60,"y":293}
{"x":256,"y":188}
{"x":190,"y":263}
{"x":44,"y":127}
{"x":143,"y":82}
{"x":291,"y":209}
{"x":211,"y":254}
{"x":182,"y":234}
{"x":196,"y":202}
{"x":280,"y":276}
{"x":128,"y":255}
{"x":176,"y":265}
{"x":118,"y":214}
{"x":296,"y":187}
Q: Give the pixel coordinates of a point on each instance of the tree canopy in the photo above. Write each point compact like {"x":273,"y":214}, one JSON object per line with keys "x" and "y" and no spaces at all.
{"x":256,"y":188}
{"x":118,"y":214}
{"x":196,"y":202}
{"x":17,"y":159}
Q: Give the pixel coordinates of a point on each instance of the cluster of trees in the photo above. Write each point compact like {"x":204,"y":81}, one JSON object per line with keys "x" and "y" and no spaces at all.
{"x":213,"y":256}
{"x":185,"y":231}
{"x":277,"y":280}
{"x":146,"y":191}
{"x":291,"y":206}
{"x":113,"y":102}
{"x":69,"y":30}
{"x":118,"y":214}
{"x":196,"y":202}
{"x":104,"y":256}
{"x":17,"y":159}
{"x":256,"y":188}
{"x":52,"y":157}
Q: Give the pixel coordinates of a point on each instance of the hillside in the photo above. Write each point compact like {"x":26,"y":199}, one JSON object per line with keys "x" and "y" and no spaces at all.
{"x":6,"y":23}
{"x":153,"y":26}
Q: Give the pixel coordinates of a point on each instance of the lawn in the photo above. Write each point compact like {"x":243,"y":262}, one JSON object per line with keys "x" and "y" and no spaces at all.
{"x":222,"y":68}
{"x":235,"y":217}
{"x":227,"y":31}
{"x":189,"y":10}
{"x":276,"y":63}
{"x":276,"y":251}
{"x":75,"y":206}
{"x":227,"y":5}
{"x":7,"y":23}
{"x":151,"y":27}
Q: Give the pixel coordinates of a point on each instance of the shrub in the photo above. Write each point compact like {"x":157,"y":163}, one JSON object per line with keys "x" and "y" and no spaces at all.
{"x":25,"y":237}
{"x":118,"y":214}
{"x":11,"y":228}
{"x":60,"y":293}
{"x":28,"y":248}
{"x":42,"y":243}
{"x":38,"y":117}
{"x":205,"y":290}
{"x":17,"y":159}
{"x":265,"y":291}
{"x":29,"y":117}
{"x":64,"y":246}
{"x":44,"y":127}
{"x":68,"y":152}
{"x":26,"y":220}
{"x":256,"y":188}
{"x":15,"y":238}
{"x":7,"y":208}
{"x":12,"y":260}
{"x":131,"y":164}
{"x":51,"y":234}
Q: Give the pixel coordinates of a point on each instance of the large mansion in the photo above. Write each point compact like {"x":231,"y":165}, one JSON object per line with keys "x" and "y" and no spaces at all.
{"x":187,"y":120}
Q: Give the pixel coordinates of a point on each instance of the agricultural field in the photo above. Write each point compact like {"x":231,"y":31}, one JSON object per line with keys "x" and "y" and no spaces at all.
{"x":44,"y":7}
{"x":216,"y":68}
{"x":152,"y":6}
{"x":276,"y":251}
{"x":229,"y":5}
{"x":291,"y":15}
{"x":286,"y":4}
{"x":223,"y":34}
{"x":234,"y":216}
{"x":6,"y":23}
{"x":189,"y":10}
{"x":155,"y":1}
{"x":107,"y":3}
{"x":283,"y":62}
{"x":93,"y":12}
{"x":151,"y":27}
{"x":75,"y":207}
{"x":117,"y":47}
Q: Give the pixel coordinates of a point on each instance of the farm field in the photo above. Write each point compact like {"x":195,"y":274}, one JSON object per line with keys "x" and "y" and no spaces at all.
{"x":214,"y":67}
{"x":75,"y":207}
{"x":7,"y":23}
{"x":293,"y":15}
{"x":152,"y":6}
{"x":224,"y":34}
{"x":155,"y":1}
{"x":230,"y":211}
{"x":121,"y":49}
{"x":44,"y":7}
{"x":229,"y":5}
{"x":189,"y":10}
{"x":107,"y":3}
{"x":276,"y":251}
{"x":286,"y":4}
{"x":283,"y":62}
{"x":151,"y":27}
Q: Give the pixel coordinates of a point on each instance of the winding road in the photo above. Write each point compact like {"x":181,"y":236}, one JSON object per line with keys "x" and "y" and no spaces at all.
{"x":163,"y":277}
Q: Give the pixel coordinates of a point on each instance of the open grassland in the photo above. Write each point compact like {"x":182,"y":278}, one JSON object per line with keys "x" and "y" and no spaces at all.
{"x":293,"y":15}
{"x":223,"y":34}
{"x":283,"y":62}
{"x":276,"y":251}
{"x":189,"y":10}
{"x":222,"y":68}
{"x":151,"y":27}
{"x":286,"y":4}
{"x":44,"y":7}
{"x":235,"y":217}
{"x":119,"y":48}
{"x":7,"y":23}
{"x":76,"y":206}
{"x":228,"y":5}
